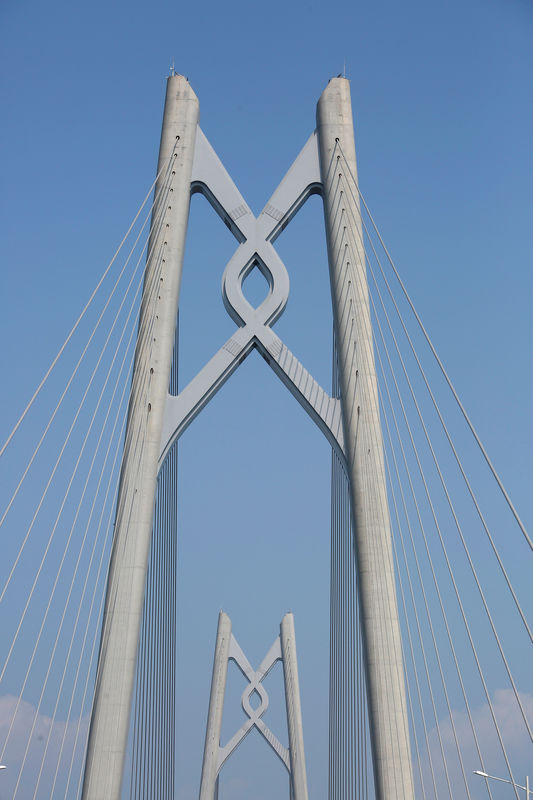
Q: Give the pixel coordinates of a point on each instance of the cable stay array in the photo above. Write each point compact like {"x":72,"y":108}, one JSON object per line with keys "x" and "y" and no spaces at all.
{"x":153,"y":727}
{"x":60,"y":465}
{"x":462,"y":554}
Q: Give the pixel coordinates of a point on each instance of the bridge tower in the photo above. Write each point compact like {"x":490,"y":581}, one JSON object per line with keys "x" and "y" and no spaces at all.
{"x":227,"y":649}
{"x":327,"y":166}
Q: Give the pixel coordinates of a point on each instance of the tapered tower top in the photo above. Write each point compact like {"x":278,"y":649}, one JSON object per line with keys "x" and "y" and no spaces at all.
{"x":334,"y":106}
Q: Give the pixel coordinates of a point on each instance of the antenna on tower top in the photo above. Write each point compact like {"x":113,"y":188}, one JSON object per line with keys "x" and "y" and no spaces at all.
{"x":172,"y":69}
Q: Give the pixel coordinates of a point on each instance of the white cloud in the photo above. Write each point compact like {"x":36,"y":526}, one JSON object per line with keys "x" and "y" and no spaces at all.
{"x":514,"y":734}
{"x":515,"y":738}
{"x":42,"y":732}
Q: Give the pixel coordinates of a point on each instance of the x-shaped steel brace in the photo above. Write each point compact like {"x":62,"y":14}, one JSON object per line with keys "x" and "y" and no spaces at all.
{"x":255,"y":679}
{"x":255,"y":237}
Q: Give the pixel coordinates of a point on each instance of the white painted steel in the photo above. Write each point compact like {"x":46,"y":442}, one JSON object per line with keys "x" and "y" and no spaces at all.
{"x":255,"y":680}
{"x":135,"y":504}
{"x":255,"y":236}
{"x":156,"y":419}
{"x":210,"y":765}
{"x":294,"y":710}
{"x":363,"y":447}
{"x":215,"y":756}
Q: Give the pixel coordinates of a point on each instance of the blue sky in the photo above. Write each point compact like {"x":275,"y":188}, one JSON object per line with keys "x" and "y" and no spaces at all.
{"x":441,"y":94}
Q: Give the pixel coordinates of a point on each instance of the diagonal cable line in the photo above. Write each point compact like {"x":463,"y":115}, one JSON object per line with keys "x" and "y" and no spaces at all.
{"x":417,"y":562}
{"x":22,"y":546}
{"x":452,"y":446}
{"x":450,"y":441}
{"x":476,"y":657}
{"x":517,"y":696}
{"x":76,"y":324}
{"x":21,"y":549}
{"x":72,"y":477}
{"x":108,"y":529}
{"x":413,"y":601}
{"x":441,"y":604}
{"x":338,"y":211}
{"x":482,"y":595}
{"x":59,"y":570}
{"x":406,"y":618}
{"x":494,"y":720}
{"x":479,"y":668}
{"x":96,"y":495}
{"x":444,"y":373}
{"x":133,"y":329}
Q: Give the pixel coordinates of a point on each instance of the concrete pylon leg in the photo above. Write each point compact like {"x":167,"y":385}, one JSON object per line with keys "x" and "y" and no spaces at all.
{"x":135,"y":504}
{"x":364,"y":447}
{"x":294,"y":710}
{"x":209,"y":784}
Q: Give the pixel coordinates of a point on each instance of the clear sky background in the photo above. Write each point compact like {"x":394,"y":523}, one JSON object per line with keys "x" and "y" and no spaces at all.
{"x":441,"y":93}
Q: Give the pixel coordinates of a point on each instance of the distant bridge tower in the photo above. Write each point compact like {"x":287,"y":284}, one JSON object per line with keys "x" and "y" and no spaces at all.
{"x":215,"y":756}
{"x":327,"y":166}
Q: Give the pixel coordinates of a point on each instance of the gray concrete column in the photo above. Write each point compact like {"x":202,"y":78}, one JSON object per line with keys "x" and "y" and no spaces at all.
{"x":364,"y":448}
{"x":294,"y":710}
{"x":209,"y":784}
{"x":135,"y":504}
